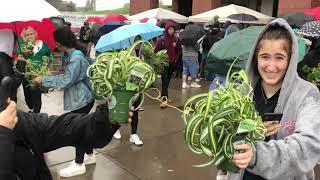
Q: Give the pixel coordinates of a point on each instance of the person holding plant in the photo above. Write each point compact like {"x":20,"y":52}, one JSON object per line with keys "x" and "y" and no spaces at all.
{"x":32,"y":49}
{"x":173,"y":47}
{"x":134,"y":138}
{"x":291,"y":150}
{"x":25,"y":137}
{"x":78,"y":97}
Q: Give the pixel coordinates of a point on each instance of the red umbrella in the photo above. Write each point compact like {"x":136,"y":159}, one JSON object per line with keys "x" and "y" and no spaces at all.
{"x":95,"y":19}
{"x":113,"y":18}
{"x":45,"y":29}
{"x":315,"y":12}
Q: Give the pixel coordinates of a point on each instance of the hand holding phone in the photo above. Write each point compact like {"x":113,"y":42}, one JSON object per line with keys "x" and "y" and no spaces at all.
{"x":271,"y":122}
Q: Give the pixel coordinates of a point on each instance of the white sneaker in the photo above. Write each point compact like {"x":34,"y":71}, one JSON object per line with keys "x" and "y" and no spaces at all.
{"x":195,"y":85}
{"x":89,"y":159}
{"x":189,"y":78}
{"x":73,"y":169}
{"x":134,"y":138}
{"x":197,"y":80}
{"x":185,"y":85}
{"x":117,"y":135}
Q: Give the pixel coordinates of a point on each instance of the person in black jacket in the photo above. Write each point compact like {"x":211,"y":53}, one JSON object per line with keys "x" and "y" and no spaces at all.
{"x":8,"y":119}
{"x":311,"y":59}
{"x":7,"y":45}
{"x":23,"y":147}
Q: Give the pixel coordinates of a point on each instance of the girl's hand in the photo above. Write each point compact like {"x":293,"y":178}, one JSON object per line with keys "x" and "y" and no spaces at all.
{"x":271,"y":127}
{"x":243,"y":159}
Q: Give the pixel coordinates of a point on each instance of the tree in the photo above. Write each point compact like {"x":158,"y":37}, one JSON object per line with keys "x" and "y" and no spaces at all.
{"x":55,"y":3}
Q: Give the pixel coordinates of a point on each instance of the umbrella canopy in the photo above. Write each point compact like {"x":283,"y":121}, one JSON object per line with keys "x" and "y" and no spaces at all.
{"x":95,"y":19}
{"x":44,"y":29}
{"x":242,"y":17}
{"x":315,"y":12}
{"x":225,"y":11}
{"x":297,"y":19}
{"x":160,"y":14}
{"x":310,"y":29}
{"x":191,"y":34}
{"x":17,"y":10}
{"x":105,"y":29}
{"x":237,"y":45}
{"x":113,"y":18}
{"x":123,"y":37}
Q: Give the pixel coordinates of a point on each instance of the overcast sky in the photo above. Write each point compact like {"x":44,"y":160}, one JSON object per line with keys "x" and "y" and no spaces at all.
{"x":105,"y":4}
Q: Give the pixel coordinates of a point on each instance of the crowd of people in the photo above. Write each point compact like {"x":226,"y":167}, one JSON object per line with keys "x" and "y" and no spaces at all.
{"x":290,"y":151}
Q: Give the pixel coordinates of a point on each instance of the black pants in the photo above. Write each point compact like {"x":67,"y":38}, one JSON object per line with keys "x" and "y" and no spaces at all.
{"x":166,"y":77}
{"x":135,"y":117}
{"x":81,"y":151}
{"x":32,"y":96}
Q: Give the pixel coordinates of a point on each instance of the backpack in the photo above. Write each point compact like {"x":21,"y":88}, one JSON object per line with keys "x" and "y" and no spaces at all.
{"x":162,"y":41}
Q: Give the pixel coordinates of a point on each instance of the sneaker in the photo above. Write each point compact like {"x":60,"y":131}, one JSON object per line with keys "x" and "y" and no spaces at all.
{"x":89,"y":159}
{"x":73,"y":169}
{"x":189,"y":78}
{"x":117,"y":135}
{"x":195,"y":85}
{"x":134,"y":138}
{"x":197,"y":80}
{"x":185,"y":85}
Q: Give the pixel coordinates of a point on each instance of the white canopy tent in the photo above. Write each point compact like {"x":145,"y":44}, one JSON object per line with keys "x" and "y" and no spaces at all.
{"x":225,"y":11}
{"x":160,"y":14}
{"x":25,"y":10}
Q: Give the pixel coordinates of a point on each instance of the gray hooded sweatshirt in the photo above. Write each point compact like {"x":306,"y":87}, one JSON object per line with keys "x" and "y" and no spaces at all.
{"x":295,"y":150}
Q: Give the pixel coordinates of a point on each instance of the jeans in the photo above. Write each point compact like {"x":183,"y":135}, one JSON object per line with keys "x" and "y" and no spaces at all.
{"x":190,"y":66}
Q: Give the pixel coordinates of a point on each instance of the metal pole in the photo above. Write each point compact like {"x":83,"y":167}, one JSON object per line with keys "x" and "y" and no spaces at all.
{"x":275,"y":8}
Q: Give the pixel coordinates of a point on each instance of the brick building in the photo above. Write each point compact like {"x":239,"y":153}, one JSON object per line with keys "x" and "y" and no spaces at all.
{"x":192,"y":7}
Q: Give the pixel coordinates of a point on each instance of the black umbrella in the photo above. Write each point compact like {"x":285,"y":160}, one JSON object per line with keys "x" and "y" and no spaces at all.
{"x":297,"y":19}
{"x":95,"y":34}
{"x":310,"y":29}
{"x":243,"y":17}
{"x":191,"y":34}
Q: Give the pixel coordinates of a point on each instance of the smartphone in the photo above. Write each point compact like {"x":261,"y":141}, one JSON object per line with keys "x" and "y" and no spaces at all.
{"x":5,"y":90}
{"x":274,"y":117}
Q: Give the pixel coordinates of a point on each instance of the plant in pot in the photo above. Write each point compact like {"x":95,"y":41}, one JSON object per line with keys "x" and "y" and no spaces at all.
{"x":222,"y":118}
{"x":121,"y":77}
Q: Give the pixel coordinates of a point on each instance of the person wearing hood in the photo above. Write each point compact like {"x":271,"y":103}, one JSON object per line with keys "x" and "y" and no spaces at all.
{"x":8,"y":42}
{"x":172,"y":44}
{"x":291,"y":150}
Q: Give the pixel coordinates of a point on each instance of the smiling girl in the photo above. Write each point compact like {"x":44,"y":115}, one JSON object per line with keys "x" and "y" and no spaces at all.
{"x":291,"y":150}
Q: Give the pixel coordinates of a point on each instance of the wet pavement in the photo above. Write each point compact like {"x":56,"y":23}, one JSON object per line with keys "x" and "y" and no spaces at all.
{"x":164,"y":155}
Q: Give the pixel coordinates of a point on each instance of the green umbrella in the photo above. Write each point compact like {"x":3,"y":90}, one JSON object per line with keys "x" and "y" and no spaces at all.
{"x":238,"y":46}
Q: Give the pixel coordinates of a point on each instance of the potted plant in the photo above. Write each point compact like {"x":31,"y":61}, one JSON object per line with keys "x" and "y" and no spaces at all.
{"x":222,"y":118}
{"x":120,"y":77}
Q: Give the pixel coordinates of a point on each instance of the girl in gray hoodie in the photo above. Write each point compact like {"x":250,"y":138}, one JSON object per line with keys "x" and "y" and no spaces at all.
{"x":293,"y":147}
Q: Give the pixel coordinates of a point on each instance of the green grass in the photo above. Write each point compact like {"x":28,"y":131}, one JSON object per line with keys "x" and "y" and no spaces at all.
{"x":124,"y":10}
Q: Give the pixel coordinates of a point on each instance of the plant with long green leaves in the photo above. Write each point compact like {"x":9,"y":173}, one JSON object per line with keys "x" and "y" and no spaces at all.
{"x":313,"y":74}
{"x":113,"y":69}
{"x":215,"y":119}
